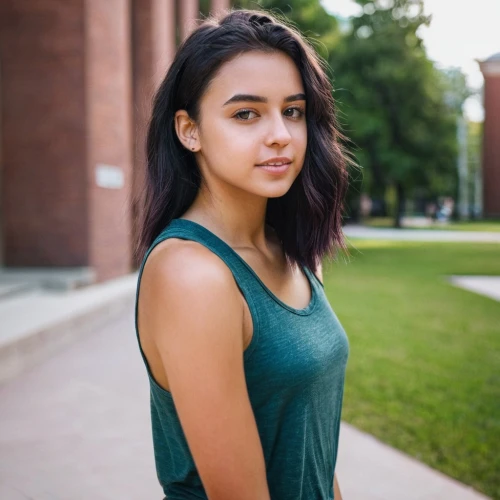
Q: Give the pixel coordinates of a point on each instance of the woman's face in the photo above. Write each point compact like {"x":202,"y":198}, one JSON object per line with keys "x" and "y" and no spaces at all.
{"x":253,"y":111}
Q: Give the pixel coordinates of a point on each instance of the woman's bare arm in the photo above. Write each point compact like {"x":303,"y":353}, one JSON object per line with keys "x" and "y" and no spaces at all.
{"x":193,"y":310}
{"x":336,"y":489}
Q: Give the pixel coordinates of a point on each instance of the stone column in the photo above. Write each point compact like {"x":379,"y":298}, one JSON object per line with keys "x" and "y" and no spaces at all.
{"x":491,"y":136}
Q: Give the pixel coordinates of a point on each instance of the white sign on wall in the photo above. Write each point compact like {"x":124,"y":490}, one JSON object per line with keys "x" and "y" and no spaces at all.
{"x":109,"y":176}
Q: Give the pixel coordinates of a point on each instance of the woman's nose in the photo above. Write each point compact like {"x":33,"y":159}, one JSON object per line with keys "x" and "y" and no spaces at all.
{"x":278,"y":131}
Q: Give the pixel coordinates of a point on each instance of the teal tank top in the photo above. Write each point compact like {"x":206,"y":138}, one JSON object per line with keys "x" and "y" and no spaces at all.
{"x":294,"y":367}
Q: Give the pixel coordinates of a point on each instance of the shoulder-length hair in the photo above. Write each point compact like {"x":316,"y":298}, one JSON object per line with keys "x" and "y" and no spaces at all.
{"x":308,"y":218}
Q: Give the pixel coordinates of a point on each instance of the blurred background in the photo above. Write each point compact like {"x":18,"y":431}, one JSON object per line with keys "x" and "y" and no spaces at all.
{"x":417,"y":89}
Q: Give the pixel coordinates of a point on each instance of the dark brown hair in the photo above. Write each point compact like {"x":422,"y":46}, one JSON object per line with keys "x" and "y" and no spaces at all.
{"x":308,"y":218}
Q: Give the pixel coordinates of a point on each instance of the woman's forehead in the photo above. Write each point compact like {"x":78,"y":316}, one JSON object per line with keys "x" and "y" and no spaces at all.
{"x":273,"y":76}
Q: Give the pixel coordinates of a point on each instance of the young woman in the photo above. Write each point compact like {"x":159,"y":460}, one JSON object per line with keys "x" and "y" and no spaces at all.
{"x":245,"y":187}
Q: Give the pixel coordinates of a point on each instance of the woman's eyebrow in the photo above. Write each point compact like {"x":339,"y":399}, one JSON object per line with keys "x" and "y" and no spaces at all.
{"x":257,"y":98}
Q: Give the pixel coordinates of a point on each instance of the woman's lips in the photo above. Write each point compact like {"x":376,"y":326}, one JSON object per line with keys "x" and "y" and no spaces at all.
{"x":275,"y":169}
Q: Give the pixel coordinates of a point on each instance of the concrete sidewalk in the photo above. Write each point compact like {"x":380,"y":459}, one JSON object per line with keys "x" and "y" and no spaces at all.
{"x":370,"y":470}
{"x":77,"y":426}
{"x":484,"y":285}
{"x":373,"y":233}
{"x":36,"y":322}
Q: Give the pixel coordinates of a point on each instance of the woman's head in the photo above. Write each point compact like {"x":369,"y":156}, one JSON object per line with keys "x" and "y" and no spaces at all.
{"x":195,"y":135}
{"x":252,"y":111}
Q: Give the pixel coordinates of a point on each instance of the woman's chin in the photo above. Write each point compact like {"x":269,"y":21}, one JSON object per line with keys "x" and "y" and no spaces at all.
{"x":276,"y":191}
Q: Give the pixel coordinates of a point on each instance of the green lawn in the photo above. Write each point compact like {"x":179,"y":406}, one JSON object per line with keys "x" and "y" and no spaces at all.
{"x":493,"y":226}
{"x":482,"y":225}
{"x":424,"y":367}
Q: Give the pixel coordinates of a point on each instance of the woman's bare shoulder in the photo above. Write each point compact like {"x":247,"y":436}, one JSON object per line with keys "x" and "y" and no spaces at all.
{"x":184,"y":283}
{"x":183,"y":263}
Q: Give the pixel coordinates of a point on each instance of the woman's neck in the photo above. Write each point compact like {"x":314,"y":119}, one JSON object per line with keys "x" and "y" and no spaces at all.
{"x":239,"y":219}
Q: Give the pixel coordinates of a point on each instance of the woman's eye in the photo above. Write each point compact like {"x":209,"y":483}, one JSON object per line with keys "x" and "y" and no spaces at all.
{"x":245,"y":113}
{"x":299,"y":112}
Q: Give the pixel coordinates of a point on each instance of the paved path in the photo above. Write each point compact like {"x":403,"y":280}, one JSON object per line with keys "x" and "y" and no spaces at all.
{"x":37,"y":322}
{"x":370,"y":470}
{"x":484,"y":285}
{"x":77,"y":427}
{"x":420,"y":234}
{"x":48,"y":307}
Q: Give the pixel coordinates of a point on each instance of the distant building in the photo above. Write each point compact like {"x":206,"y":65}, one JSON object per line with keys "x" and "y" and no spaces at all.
{"x":491,"y":137}
{"x":76,"y":81}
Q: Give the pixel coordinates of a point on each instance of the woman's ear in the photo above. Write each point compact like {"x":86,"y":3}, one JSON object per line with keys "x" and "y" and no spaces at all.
{"x":187,"y":131}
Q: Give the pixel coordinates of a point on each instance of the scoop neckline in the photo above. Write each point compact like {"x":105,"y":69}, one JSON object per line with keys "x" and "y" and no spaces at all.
{"x":302,"y":312}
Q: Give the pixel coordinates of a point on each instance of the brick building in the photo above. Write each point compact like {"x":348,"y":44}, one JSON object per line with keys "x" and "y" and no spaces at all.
{"x":491,"y":138}
{"x":76,"y":81}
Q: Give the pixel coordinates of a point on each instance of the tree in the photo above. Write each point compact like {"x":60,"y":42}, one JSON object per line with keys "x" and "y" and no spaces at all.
{"x":393,"y":101}
{"x":309,"y":16}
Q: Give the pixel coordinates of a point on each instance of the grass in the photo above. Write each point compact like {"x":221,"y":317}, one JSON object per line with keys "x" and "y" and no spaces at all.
{"x":424,"y":367}
{"x":480,"y":225}
{"x":493,"y":226}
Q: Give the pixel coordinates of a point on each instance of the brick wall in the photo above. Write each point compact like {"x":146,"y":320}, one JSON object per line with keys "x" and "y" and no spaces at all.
{"x":491,"y":145}
{"x":66,"y":97}
{"x":44,"y":207}
{"x":76,"y":81}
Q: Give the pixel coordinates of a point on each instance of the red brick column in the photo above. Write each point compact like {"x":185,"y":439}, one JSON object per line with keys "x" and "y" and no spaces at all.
{"x":217,"y":5}
{"x":189,"y":11}
{"x":66,"y":134}
{"x":108,"y":97}
{"x":491,"y":138}
{"x":153,"y":40}
{"x":45,"y":208}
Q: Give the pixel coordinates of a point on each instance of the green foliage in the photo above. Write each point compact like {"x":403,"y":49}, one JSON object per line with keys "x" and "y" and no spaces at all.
{"x":456,"y":89}
{"x":474,"y":139}
{"x":204,"y":8}
{"x":393,"y":101}
{"x":309,"y":16}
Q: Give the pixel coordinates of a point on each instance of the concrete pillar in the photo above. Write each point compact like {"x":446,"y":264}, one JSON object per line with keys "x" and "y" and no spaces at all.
{"x":153,"y":40}
{"x":189,"y":11}
{"x":66,"y":134}
{"x":491,"y":137}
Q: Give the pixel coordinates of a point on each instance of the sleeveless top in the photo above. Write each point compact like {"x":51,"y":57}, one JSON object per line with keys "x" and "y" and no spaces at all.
{"x":294,"y":368}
